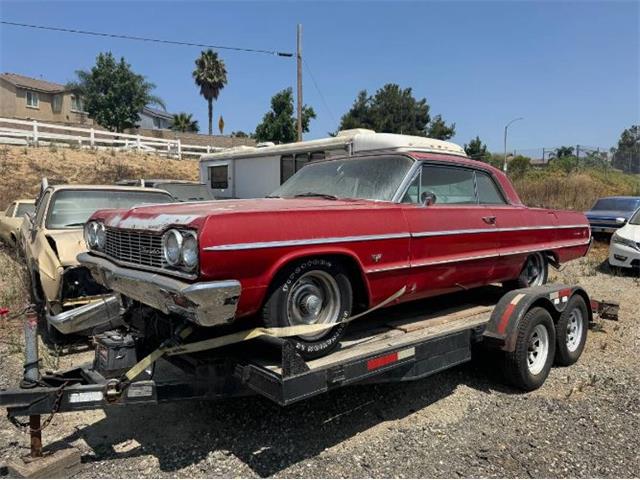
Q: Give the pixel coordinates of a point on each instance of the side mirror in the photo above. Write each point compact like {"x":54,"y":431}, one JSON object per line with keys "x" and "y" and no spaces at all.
{"x":428,"y":198}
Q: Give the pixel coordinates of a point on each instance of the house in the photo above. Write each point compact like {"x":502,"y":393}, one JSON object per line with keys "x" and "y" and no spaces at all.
{"x":29,"y":98}
{"x":154,"y":119}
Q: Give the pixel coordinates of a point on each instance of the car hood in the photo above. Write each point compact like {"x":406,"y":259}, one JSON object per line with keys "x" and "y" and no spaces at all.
{"x":631,"y":232}
{"x":193,"y":214}
{"x":608,"y":214}
{"x":68,"y":244}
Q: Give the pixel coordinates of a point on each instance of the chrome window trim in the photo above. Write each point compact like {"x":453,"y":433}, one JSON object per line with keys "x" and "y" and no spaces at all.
{"x":491,"y":230}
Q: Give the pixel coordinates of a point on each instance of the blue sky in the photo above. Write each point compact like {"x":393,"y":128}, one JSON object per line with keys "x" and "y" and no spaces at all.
{"x":572,"y":69}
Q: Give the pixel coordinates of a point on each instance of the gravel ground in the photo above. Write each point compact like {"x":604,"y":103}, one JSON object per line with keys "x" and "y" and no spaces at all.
{"x":584,"y":422}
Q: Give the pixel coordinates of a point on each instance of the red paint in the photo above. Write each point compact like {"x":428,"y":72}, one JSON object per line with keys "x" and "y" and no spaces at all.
{"x":434,"y":264}
{"x":564,"y":293}
{"x":379,"y":362}
{"x":506,"y":315}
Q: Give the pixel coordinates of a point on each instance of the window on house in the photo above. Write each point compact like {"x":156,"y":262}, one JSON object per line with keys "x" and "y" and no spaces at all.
{"x":33,"y":100}
{"x":57,"y":103}
{"x":157,"y":122}
{"x":76,"y":103}
{"x":488,"y":193}
{"x":219,"y":176}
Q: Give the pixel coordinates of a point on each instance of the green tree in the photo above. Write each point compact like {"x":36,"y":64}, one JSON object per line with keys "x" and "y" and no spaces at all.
{"x":563,"y":152}
{"x":239,"y":134}
{"x":210,"y":75}
{"x":627,"y":155}
{"x":113,"y":94}
{"x":477,"y":150}
{"x":184,"y":122}
{"x":279,"y":124}
{"x":395,"y":110}
{"x":519,"y":166}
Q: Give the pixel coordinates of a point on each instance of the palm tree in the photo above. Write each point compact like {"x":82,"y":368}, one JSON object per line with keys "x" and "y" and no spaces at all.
{"x":211,"y":76}
{"x":183,"y":122}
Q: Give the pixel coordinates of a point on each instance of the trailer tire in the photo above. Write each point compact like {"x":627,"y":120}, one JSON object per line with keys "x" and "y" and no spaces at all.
{"x":308,"y":289}
{"x":528,"y":365}
{"x":571,"y":332}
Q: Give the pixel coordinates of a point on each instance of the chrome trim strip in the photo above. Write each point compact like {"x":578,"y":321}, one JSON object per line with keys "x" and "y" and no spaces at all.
{"x":439,"y":233}
{"x":137,"y":266}
{"x":306,"y":241}
{"x":476,"y":257}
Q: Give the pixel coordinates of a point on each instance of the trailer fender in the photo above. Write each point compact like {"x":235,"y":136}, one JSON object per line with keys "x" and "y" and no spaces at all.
{"x":501,"y":331}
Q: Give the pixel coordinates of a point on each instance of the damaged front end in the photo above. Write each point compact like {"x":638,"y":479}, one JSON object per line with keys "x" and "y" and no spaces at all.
{"x":83,"y":304}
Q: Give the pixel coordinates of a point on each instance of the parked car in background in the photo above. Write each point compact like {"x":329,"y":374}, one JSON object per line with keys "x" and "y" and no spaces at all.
{"x":610,"y":213}
{"x":338,"y":237}
{"x":624,"y":249}
{"x":181,"y":190}
{"x":67,"y":296}
{"x":11,"y":221}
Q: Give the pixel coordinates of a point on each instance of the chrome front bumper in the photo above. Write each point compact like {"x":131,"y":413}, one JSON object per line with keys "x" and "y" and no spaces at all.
{"x":94,"y":314}
{"x":204,"y":303}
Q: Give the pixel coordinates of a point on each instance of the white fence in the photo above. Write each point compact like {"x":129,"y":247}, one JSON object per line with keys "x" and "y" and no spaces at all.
{"x":25,"y":132}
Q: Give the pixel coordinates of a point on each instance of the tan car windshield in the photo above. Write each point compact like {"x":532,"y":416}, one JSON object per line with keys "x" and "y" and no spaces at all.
{"x":72,"y":208}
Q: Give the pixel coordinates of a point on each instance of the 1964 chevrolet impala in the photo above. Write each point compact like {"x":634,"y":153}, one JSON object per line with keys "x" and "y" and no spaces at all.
{"x":338,"y":237}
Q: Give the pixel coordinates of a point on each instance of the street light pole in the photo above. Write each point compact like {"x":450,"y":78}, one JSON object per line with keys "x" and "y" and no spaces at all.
{"x":506,"y":127}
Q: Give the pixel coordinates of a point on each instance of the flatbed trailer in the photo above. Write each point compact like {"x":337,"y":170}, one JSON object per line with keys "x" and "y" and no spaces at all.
{"x":405,"y":342}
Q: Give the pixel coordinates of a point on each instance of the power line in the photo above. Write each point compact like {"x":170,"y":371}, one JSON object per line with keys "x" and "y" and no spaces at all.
{"x":144,"y":39}
{"x":315,"y":84}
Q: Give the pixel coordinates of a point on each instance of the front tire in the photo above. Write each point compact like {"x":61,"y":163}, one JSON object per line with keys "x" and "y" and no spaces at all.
{"x":311,"y":292}
{"x":528,"y":366}
{"x":571,"y":332}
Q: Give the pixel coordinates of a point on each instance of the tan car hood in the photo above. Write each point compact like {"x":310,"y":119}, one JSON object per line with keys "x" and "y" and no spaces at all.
{"x":69,"y":243}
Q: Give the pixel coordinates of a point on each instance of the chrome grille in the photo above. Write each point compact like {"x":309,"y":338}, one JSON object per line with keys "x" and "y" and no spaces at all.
{"x":135,"y":247}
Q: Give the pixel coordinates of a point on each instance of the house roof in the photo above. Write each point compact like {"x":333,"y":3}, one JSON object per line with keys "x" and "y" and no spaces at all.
{"x":154,"y":112}
{"x":32,"y":83}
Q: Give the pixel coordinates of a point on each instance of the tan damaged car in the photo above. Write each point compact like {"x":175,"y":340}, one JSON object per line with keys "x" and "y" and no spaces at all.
{"x":68,"y":298}
{"x":11,"y":221}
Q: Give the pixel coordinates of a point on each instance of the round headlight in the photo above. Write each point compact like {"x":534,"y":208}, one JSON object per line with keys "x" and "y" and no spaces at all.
{"x":171,"y":246}
{"x":101,"y":237}
{"x":189,"y":253}
{"x":91,"y":234}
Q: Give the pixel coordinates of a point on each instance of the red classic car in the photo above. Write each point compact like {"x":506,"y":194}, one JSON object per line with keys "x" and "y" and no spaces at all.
{"x":338,"y":237}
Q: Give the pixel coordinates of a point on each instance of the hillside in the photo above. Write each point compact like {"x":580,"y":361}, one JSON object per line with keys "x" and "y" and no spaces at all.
{"x":22,"y":168}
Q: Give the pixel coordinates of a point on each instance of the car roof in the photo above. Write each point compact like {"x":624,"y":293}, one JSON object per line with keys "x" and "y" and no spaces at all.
{"x":25,"y":200}
{"x":123,"y":188}
{"x":621,"y":197}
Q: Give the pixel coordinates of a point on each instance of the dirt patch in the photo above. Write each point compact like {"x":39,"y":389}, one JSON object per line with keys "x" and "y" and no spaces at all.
{"x":584,"y":422}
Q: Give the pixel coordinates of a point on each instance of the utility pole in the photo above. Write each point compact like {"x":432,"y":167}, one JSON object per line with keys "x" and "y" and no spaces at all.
{"x":299,"y":58}
{"x":506,"y":127}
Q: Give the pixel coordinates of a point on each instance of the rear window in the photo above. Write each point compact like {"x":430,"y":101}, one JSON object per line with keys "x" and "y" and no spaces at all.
{"x":25,"y":208}
{"x":620,"y":204}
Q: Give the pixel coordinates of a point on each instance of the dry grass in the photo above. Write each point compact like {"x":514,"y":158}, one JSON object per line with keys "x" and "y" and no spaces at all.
{"x":576,"y":191}
{"x":13,"y":295}
{"x":22,"y":168}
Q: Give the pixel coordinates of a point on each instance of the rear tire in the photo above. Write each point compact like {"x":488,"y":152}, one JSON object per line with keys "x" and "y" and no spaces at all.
{"x":571,"y":332}
{"x":311,"y":292}
{"x":528,"y":366}
{"x":534,"y":273}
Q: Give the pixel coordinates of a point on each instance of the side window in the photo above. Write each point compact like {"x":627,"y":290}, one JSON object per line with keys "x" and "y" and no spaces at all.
{"x":42,"y":207}
{"x":287,"y":168}
{"x":9,"y":211}
{"x":451,"y":185}
{"x":219,"y":176}
{"x":488,"y":193}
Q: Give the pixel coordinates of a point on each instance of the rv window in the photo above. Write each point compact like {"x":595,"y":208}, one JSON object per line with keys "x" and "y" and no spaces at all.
{"x":301,"y":160}
{"x":219,"y":176}
{"x":317,"y":156}
{"x":286,"y":168}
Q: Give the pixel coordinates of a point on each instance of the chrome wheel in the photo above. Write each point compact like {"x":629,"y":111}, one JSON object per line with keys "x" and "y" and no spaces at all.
{"x":538,"y":349}
{"x":534,"y":270}
{"x":574,"y":329}
{"x":313,"y":299}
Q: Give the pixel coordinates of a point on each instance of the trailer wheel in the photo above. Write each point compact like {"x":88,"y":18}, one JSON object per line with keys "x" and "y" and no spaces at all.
{"x":528,"y":366}
{"x":571,"y":332}
{"x":311,"y":292}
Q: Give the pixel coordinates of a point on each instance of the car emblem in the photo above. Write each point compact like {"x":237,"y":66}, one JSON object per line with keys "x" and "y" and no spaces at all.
{"x":150,"y":251}
{"x":376,"y":257}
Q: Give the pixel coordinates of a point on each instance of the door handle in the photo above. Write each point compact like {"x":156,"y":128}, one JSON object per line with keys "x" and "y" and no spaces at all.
{"x":491,"y":220}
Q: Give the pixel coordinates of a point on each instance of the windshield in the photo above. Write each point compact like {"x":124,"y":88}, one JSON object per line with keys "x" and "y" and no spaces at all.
{"x":620,"y":204}
{"x":24,"y":208}
{"x":72,"y":208}
{"x":187,"y":192}
{"x":635,"y":220}
{"x":373,"y":178}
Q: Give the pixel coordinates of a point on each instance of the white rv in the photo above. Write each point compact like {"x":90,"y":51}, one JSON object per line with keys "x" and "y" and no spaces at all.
{"x":253,"y":172}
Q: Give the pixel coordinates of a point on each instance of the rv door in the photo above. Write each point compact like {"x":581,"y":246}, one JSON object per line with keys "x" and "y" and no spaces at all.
{"x":218,"y":176}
